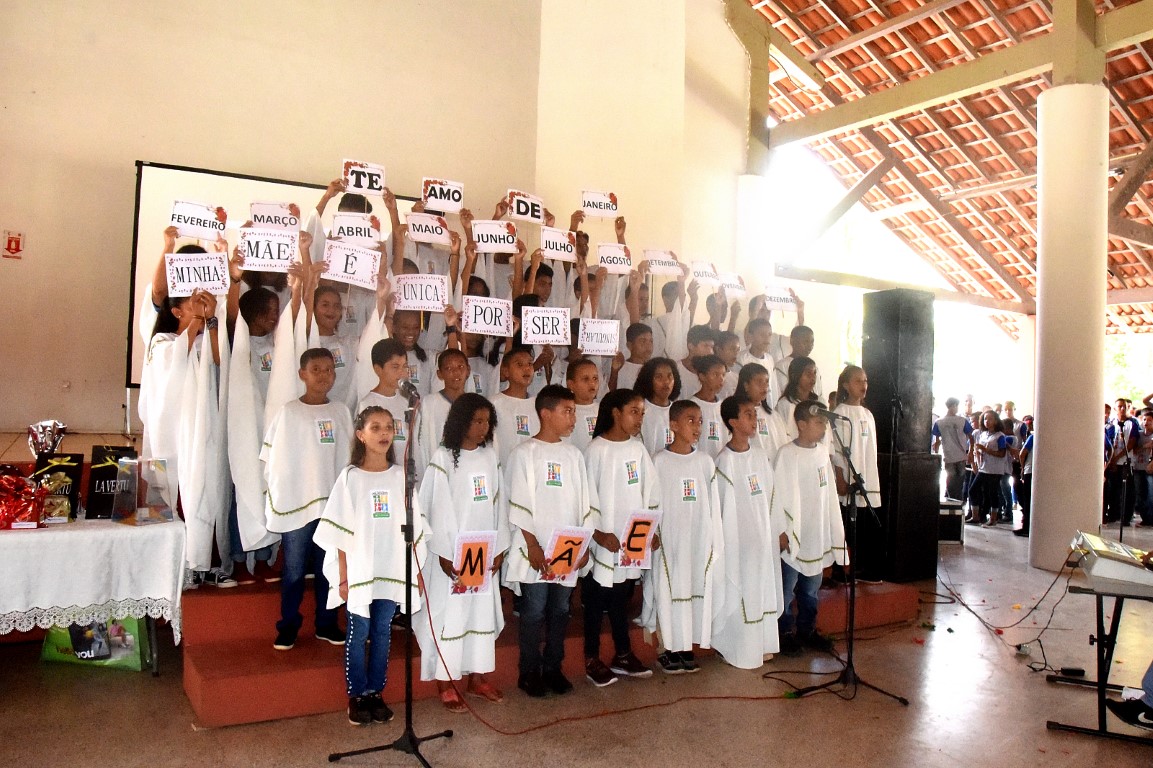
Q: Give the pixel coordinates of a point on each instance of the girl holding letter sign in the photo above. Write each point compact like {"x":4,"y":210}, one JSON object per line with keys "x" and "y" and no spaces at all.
{"x":461,"y":494}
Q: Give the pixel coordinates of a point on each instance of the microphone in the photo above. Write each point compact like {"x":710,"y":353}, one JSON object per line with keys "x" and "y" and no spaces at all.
{"x":408,"y":390}
{"x":816,"y":409}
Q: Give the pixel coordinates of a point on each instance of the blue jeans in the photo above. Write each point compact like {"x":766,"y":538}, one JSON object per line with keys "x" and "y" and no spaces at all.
{"x":806,"y":588}
{"x":1147,"y":686}
{"x":1143,"y":482}
{"x":302,"y":556}
{"x":544,"y":608}
{"x":238,"y":553}
{"x":368,"y":675}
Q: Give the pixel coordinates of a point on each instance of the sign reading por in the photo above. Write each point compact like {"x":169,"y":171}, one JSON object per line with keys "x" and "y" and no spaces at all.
{"x":615,"y":258}
{"x":525,"y":207}
{"x":361,"y":229}
{"x":545,"y":325}
{"x":428,"y":228}
{"x":351,"y":264}
{"x":566,"y":547}
{"x":275,"y":215}
{"x":662,"y":263}
{"x":637,"y":539}
{"x":365,"y":178}
{"x":488,"y":317}
{"x":442,"y":195}
{"x":200,"y":221}
{"x":603,"y":204}
{"x":473,"y":562}
{"x":268,"y":250}
{"x":558,"y":244}
{"x":494,"y":236}
{"x":733,"y":284}
{"x":424,"y":293}
{"x":705,"y":274}
{"x":188,"y":272}
{"x":599,"y":337}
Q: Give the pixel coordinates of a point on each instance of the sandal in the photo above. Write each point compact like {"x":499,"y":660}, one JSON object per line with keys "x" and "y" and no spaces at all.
{"x":452,"y":701}
{"x":485,"y":690}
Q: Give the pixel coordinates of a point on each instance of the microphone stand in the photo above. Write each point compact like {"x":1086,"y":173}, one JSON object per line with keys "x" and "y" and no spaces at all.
{"x":848,"y":676}
{"x":408,"y":742}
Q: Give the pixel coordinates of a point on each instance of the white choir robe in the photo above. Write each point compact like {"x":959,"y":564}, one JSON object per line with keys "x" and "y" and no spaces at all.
{"x":859,"y":435}
{"x":714,"y":434}
{"x":516,"y":422}
{"x":459,"y":499}
{"x":683,"y":592}
{"x":625,"y":482}
{"x":746,"y":628}
{"x":586,"y":424}
{"x":806,"y":501}
{"x":655,"y":432}
{"x":770,"y":434}
{"x":430,"y":429}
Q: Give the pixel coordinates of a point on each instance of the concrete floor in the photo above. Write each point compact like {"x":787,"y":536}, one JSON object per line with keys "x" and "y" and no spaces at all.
{"x":973,"y":701}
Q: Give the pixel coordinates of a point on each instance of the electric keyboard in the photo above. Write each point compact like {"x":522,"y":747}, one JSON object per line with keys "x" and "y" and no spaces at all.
{"x":1112,"y":567}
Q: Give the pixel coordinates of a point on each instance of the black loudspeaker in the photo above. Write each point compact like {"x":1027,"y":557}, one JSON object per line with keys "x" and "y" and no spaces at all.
{"x":911,"y":492}
{"x":897,"y":355}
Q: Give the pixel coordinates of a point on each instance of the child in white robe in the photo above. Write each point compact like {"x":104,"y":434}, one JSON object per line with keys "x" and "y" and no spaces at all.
{"x":745,"y":630}
{"x":461,"y":493}
{"x":390,"y":364}
{"x":584,"y":379}
{"x":754,"y":382}
{"x":516,"y":414}
{"x":710,"y":373}
{"x":659,"y":383}
{"x":325,"y":310}
{"x":452,"y":370}
{"x":361,"y":532}
{"x":857,"y":432}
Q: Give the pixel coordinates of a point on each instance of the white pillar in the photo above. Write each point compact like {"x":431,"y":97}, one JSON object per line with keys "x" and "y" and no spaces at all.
{"x":1072,"y":159}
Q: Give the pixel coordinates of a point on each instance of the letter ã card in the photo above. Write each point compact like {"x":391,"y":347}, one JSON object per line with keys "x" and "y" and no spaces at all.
{"x":637,"y":539}
{"x":617,"y":259}
{"x":268,"y":250}
{"x":733,"y":284}
{"x":705,"y":274}
{"x":423,"y":293}
{"x":545,"y":325}
{"x":599,"y":336}
{"x":275,"y":215}
{"x":428,"y":228}
{"x":566,"y":547}
{"x":525,"y":207}
{"x":493,"y":236}
{"x":472,"y":560}
{"x":442,"y":195}
{"x":602,"y":204}
{"x":486,"y":316}
{"x":188,"y":272}
{"x":558,"y":244}
{"x":662,"y":263}
{"x":203,"y":222}
{"x":361,"y":229}
{"x":364,"y":178}
{"x":351,"y":264}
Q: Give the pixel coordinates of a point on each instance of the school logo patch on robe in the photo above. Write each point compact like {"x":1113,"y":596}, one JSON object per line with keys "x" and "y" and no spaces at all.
{"x":553,"y":474}
{"x":668,"y":436}
{"x":754,"y":485}
{"x":763,"y":427}
{"x":380,"y":508}
{"x":480,"y":487}
{"x":476,"y":388}
{"x":591,"y":423}
{"x":688,"y":489}
{"x":266,"y":362}
{"x":325,"y":431}
{"x":400,"y":435}
{"x":522,"y":425}
{"x":714,"y":431}
{"x":631,"y":470}
{"x":864,"y":427}
{"x":822,"y":476}
{"x":337,"y":357}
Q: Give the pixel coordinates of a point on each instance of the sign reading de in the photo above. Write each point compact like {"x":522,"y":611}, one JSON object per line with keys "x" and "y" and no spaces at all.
{"x":615,"y":258}
{"x":442,"y":195}
{"x":351,"y":264}
{"x":365,"y":178}
{"x":197,"y":220}
{"x":545,"y":325}
{"x":603,"y":204}
{"x":599,"y":337}
{"x":558,"y":244}
{"x":188,"y":272}
{"x":424,"y":293}
{"x":525,"y":207}
{"x":275,"y":215}
{"x":268,"y":250}
{"x":361,"y":229}
{"x":494,"y":236}
{"x":428,"y":228}
{"x":485,"y":316}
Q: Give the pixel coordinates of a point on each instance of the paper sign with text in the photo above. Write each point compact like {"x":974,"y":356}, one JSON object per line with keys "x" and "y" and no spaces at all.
{"x":778,"y":297}
{"x":637,"y":537}
{"x":617,"y":259}
{"x":525,"y":207}
{"x":188,"y":272}
{"x":603,"y":204}
{"x":705,"y":274}
{"x":733,"y":284}
{"x":268,"y":250}
{"x":558,"y":244}
{"x":423,"y":293}
{"x":662,"y":263}
{"x":275,"y":216}
{"x":361,"y":229}
{"x":475,"y":551}
{"x":428,"y":228}
{"x":203,"y":222}
{"x":351,"y":264}
{"x":545,"y":325}
{"x":599,"y":337}
{"x":488,"y":317}
{"x":494,"y":236}
{"x":442,"y":195}
{"x":364,"y":178}
{"x":566,"y":547}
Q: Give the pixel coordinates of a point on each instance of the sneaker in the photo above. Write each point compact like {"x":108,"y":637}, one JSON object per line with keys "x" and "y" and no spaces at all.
{"x":689,"y":662}
{"x":628,"y":665}
{"x":215,"y":578}
{"x":670,"y":663}
{"x":1134,"y":712}
{"x":333,"y":635}
{"x":790,"y":645}
{"x":817,"y":642}
{"x":533,"y":685}
{"x":377,"y":709}
{"x":265,"y":572}
{"x":557,"y":682}
{"x":285,"y":639}
{"x":358,"y":710}
{"x":241,"y":575}
{"x":598,"y":674}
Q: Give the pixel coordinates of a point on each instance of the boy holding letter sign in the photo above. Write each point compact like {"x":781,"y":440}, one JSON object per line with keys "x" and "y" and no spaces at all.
{"x":548,"y":489}
{"x":268,"y":250}
{"x":442,"y":195}
{"x":602,"y":204}
{"x":366,"y":178}
{"x":599,"y":337}
{"x":351,"y":264}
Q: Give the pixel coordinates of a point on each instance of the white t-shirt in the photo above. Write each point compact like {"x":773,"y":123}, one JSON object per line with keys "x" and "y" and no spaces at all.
{"x":627,"y":375}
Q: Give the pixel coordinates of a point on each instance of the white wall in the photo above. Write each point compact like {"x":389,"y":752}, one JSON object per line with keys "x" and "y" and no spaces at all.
{"x":263,"y":88}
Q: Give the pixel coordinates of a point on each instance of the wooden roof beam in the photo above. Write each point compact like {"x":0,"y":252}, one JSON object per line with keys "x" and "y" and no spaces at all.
{"x":886,"y":27}
{"x":851,"y":198}
{"x":1135,"y":174}
{"x":1130,"y":295}
{"x":1126,"y":26}
{"x":1127,"y":229}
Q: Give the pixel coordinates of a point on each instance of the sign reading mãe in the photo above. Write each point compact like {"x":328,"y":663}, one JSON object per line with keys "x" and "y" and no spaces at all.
{"x":268,"y":250}
{"x":442,"y":195}
{"x":428,"y":228}
{"x":545,"y":325}
{"x":599,"y":337}
{"x":525,"y":207}
{"x":615,"y":258}
{"x":365,"y":178}
{"x":488,"y":317}
{"x":494,"y":236}
{"x":558,"y":244}
{"x":188,"y":272}
{"x":203,"y":222}
{"x":424,"y":293}
{"x":603,"y":204}
{"x":274,"y":216}
{"x":351,"y":264}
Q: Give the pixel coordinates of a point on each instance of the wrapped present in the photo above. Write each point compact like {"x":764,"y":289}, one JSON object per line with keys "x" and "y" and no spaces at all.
{"x":44,"y":437}
{"x":60,"y":473}
{"x":21,"y":500}
{"x":104,"y":480}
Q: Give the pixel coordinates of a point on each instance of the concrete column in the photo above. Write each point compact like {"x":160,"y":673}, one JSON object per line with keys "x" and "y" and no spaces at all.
{"x":1073,"y":156}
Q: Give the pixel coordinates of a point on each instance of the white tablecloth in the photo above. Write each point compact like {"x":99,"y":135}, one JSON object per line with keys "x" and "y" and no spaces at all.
{"x":90,"y":570}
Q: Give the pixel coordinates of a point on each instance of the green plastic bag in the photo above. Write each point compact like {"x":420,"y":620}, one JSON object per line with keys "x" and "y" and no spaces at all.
{"x":117,"y":644}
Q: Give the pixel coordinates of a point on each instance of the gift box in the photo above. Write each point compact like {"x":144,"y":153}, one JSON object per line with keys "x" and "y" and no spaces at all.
{"x":21,"y":500}
{"x":103,"y":479}
{"x":61,"y":474}
{"x":141,"y":485}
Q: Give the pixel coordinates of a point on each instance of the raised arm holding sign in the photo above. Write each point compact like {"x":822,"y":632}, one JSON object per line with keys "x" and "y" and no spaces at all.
{"x":268,"y":250}
{"x":366,"y":178}
{"x":423,"y":293}
{"x":442,"y":195}
{"x":197,"y":220}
